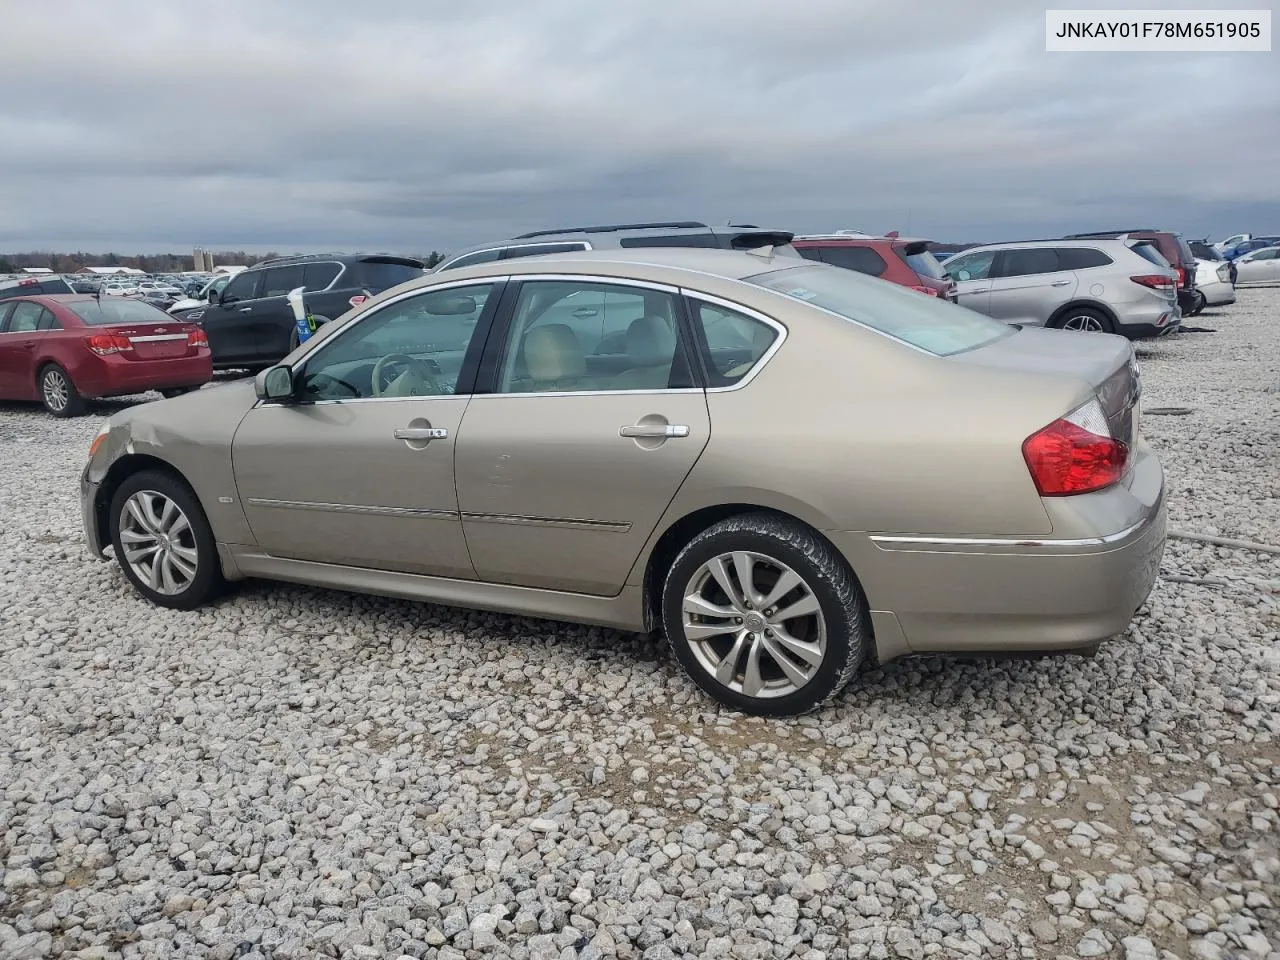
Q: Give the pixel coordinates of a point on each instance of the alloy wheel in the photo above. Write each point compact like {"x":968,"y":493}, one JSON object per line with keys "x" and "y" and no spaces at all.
{"x":158,"y":542}
{"x":754,"y":624}
{"x":56,"y":392}
{"x":1083,"y":324}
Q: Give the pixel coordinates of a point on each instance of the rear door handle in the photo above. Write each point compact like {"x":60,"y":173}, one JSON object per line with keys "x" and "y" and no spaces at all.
{"x":421,"y":433}
{"x":246,"y":309}
{"x":979,"y":290}
{"x":654,"y":431}
{"x":1059,"y":283}
{"x":29,"y":344}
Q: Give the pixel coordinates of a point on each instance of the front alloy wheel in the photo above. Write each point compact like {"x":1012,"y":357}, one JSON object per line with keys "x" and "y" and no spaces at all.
{"x":163,"y":541}
{"x":159,"y":544}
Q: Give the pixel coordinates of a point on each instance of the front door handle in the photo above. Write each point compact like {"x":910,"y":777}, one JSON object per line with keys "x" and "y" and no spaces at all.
{"x":978,"y":290}
{"x":421,"y":433}
{"x":654,"y":431}
{"x":246,"y":309}
{"x":28,"y":344}
{"x":1059,"y":283}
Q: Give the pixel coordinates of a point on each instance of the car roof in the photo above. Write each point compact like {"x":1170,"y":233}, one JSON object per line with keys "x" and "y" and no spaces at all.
{"x":587,"y":234}
{"x":1058,"y":242}
{"x":344,"y":258}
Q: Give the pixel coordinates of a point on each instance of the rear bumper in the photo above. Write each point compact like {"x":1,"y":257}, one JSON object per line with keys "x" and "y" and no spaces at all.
{"x":1009,"y":596}
{"x":113,"y":376}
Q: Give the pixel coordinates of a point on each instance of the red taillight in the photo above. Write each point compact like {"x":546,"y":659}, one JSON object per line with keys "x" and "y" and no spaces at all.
{"x":1156,"y":281}
{"x":1075,"y":454}
{"x":1182,"y":276}
{"x":197,"y":338}
{"x":922,"y":289}
{"x":106,"y":343}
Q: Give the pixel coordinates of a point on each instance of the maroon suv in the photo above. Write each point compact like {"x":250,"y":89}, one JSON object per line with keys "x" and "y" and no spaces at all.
{"x":902,"y":260}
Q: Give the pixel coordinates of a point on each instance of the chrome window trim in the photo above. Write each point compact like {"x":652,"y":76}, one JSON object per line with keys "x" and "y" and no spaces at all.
{"x":590,"y":393}
{"x":752,"y":314}
{"x":503,"y":248}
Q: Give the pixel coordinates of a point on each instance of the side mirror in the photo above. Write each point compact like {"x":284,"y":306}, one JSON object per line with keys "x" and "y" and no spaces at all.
{"x":274,"y":384}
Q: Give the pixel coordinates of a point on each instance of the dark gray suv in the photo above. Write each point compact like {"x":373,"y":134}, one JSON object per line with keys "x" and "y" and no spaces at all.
{"x":678,"y":233}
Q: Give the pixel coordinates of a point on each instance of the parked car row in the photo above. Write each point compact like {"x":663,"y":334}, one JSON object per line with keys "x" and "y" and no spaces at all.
{"x":1135,"y":283}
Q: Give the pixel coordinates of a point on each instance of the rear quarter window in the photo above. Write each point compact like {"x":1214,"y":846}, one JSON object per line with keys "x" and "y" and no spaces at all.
{"x":377,"y":275}
{"x":1082,"y":258}
{"x":707,"y":240}
{"x":862,"y":259}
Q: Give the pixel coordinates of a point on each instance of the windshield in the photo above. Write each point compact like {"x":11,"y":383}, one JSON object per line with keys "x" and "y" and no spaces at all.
{"x":97,"y":313}
{"x":935,"y":326}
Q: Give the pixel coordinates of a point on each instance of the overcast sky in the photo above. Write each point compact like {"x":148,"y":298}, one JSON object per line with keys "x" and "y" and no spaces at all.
{"x":414,"y":125}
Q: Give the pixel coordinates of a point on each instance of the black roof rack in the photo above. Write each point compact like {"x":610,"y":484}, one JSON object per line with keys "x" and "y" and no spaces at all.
{"x":1103,"y":234}
{"x":614,"y":228}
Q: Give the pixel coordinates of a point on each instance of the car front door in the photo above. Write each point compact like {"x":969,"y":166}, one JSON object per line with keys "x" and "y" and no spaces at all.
{"x":10,"y":352}
{"x":358,"y":469}
{"x":273,"y":322}
{"x":20,"y":336}
{"x":972,"y":274}
{"x":565,"y":468}
{"x":229,"y":320}
{"x":1028,"y":284}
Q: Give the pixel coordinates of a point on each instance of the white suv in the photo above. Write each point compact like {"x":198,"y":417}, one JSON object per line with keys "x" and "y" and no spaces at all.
{"x":1100,"y":286}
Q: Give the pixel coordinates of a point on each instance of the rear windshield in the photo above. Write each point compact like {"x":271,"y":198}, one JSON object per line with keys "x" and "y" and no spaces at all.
{"x":1204,"y":251}
{"x":111,"y":311}
{"x":1148,"y":251}
{"x":378,"y":275}
{"x":923,"y":262}
{"x":28,"y":289}
{"x":935,"y":326}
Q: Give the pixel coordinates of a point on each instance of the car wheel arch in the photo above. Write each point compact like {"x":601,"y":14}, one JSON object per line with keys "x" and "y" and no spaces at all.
{"x":120,"y":471}
{"x":1085,"y":304}
{"x":682,"y":531}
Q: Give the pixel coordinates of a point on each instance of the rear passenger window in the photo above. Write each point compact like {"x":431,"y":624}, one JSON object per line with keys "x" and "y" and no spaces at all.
{"x":1081,"y":258}
{"x":280,"y":280}
{"x":1027,"y":262}
{"x":862,"y":259}
{"x":318,"y":276}
{"x":680,"y":240}
{"x":48,"y":321}
{"x":734,"y":342}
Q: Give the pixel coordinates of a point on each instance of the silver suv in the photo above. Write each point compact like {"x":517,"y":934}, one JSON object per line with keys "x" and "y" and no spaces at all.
{"x":678,"y":233}
{"x":1104,"y":286}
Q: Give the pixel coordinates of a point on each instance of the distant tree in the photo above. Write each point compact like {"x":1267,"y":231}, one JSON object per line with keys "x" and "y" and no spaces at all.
{"x":6,"y":265}
{"x":433,"y":258}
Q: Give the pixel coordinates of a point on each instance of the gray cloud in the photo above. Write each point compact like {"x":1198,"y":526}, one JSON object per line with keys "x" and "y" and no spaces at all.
{"x":425,"y":124}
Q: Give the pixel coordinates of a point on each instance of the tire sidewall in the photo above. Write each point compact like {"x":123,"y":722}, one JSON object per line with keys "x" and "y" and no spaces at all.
{"x":208,"y":576}
{"x":847,"y":632}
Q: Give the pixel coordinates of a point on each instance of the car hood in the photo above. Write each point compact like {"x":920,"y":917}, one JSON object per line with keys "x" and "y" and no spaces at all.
{"x":215,"y":407}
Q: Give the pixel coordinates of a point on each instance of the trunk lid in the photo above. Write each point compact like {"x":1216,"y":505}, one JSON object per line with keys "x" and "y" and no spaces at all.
{"x":1107,"y":363}
{"x":159,"y":341}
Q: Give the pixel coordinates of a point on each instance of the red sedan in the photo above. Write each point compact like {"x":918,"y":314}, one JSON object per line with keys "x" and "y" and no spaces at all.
{"x":65,"y":349}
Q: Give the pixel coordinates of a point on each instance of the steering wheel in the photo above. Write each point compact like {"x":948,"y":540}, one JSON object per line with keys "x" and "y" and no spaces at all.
{"x":419,"y":367}
{"x":319,"y":384}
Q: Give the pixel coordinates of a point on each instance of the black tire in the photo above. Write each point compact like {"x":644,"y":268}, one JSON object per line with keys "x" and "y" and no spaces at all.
{"x":823,"y":573}
{"x":207,"y":580}
{"x":1084,"y":319}
{"x":1198,"y":304}
{"x":58,"y":393}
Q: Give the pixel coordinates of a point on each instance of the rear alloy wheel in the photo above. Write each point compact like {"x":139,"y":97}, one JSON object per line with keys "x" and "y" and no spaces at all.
{"x":163,"y":541}
{"x":1083,"y":320}
{"x":765,"y":615}
{"x":59,"y":394}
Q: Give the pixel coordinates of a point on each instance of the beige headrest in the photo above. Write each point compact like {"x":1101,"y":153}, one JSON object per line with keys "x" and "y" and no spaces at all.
{"x":552,"y":352}
{"x":650,"y":341}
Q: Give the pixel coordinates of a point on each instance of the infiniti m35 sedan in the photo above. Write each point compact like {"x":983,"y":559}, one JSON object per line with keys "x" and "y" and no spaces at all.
{"x":787,"y":467}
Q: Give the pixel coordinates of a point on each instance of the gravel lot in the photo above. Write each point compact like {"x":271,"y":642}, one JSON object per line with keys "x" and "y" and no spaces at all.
{"x":297,"y":773}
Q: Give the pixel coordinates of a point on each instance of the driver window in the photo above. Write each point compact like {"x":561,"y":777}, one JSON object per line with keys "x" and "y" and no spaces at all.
{"x":976,"y":266}
{"x":410,"y":348}
{"x":243,"y":286}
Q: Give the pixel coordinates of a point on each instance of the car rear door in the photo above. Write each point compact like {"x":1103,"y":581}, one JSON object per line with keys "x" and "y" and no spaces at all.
{"x":1028,"y":284}
{"x":563,"y":473}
